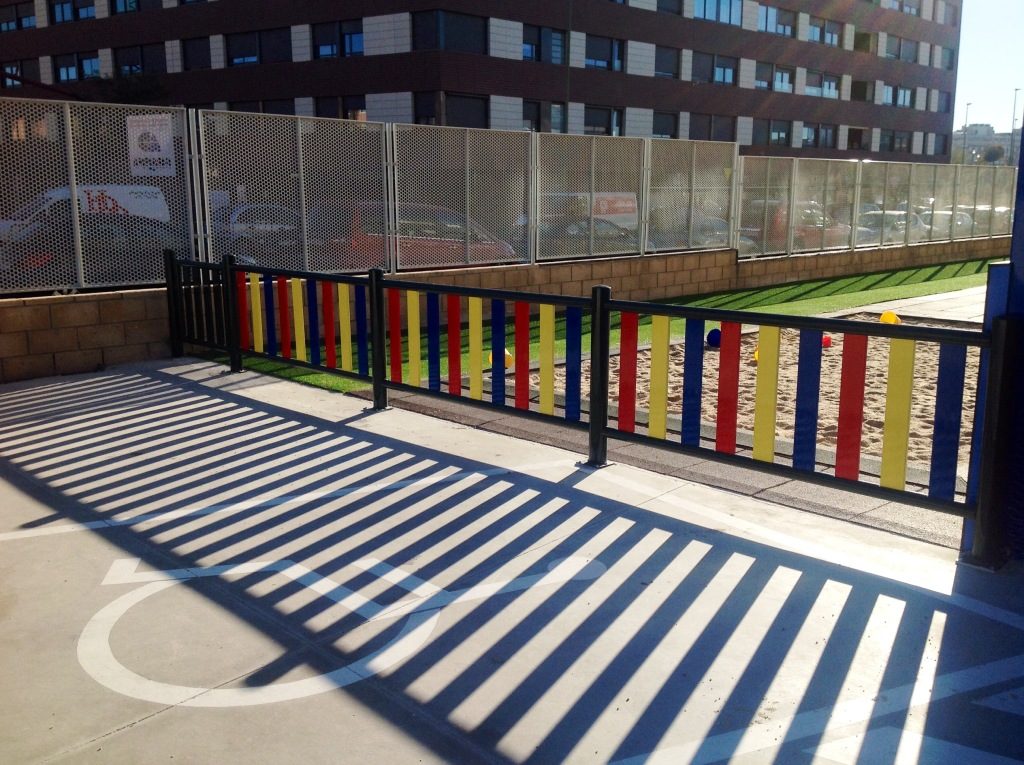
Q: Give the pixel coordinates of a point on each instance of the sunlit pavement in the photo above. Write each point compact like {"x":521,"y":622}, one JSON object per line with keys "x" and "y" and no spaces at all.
{"x":228,"y":568}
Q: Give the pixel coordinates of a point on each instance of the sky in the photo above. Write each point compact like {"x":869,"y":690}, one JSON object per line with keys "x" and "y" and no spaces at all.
{"x":991,"y":63}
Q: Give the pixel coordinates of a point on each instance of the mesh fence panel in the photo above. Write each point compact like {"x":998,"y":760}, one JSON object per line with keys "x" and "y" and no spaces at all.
{"x":618,"y":172}
{"x":809,"y":221}
{"x":565,"y":186}
{"x":944,"y":200}
{"x":712,"y":196}
{"x":498,"y":199}
{"x":343,"y":182}
{"x":872,"y":202}
{"x":253,"y":191}
{"x":669,"y":204}
{"x":764,"y":206}
{"x":1002,"y":201}
{"x":842,"y":189}
{"x":127,"y":165}
{"x":967,"y":188}
{"x":983,"y":201}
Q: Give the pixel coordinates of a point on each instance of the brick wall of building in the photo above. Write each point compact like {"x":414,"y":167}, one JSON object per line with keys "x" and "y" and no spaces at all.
{"x":83,"y":333}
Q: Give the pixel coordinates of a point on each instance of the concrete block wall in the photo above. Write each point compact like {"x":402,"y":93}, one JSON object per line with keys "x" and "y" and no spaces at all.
{"x":65,"y":334}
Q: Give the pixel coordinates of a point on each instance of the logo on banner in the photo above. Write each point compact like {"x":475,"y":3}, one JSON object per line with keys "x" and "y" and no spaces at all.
{"x":151,"y":144}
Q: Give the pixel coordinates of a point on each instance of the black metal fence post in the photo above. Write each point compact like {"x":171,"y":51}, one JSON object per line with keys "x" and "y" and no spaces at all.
{"x":599,"y":352}
{"x":1000,"y":480}
{"x":172,"y":276}
{"x":378,"y":367}
{"x":231,"y":313}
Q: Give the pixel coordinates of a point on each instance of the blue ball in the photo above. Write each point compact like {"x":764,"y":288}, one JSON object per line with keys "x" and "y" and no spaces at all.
{"x":714,"y":338}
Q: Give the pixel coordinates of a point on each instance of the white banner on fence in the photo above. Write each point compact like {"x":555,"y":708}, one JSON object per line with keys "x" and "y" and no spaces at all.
{"x":151,"y":144}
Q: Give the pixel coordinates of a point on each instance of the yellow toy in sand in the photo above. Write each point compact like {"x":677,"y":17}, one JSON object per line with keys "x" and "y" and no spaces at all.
{"x":509,"y":360}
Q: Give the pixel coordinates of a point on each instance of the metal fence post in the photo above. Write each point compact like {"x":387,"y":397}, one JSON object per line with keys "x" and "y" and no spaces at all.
{"x":794,"y":177}
{"x":858,"y":182}
{"x":378,"y":368}
{"x":234,"y":343}
{"x":599,"y":352}
{"x":644,"y":228}
{"x":735,"y":192}
{"x":172,"y":277}
{"x":76,"y":224}
{"x":303,"y":212}
{"x":532,"y":228}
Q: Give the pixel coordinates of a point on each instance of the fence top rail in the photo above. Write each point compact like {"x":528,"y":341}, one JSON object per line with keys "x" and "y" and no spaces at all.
{"x":837,"y":326}
{"x":314,"y":275}
{"x":491,"y":294}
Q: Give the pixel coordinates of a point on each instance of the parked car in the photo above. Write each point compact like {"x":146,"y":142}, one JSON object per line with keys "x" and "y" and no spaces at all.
{"x":116,"y":249}
{"x":945,"y":224}
{"x":709,"y":233}
{"x":349,"y":236}
{"x":890,"y":227}
{"x":268,"y":234}
{"x":572,"y":236}
{"x":813,"y":228}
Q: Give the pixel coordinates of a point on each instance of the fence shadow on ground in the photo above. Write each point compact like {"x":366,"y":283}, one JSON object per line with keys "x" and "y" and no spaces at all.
{"x":556,"y":624}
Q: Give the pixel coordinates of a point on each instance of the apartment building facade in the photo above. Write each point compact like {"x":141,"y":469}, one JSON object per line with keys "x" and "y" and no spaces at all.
{"x":853,"y":79}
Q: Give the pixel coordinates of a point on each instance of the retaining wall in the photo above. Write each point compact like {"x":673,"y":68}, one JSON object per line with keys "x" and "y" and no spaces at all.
{"x":83,"y":333}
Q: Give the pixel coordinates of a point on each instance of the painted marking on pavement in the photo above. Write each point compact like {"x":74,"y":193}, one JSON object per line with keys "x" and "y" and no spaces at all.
{"x":98,"y":660}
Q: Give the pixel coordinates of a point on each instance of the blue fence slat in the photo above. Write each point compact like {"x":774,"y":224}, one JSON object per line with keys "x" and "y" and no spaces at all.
{"x":573,"y":361}
{"x":949,"y":400}
{"x":362,"y":338}
{"x":268,"y":306}
{"x":313,"y":319}
{"x":693,"y":381}
{"x":498,"y":352}
{"x":808,"y":387}
{"x":433,"y":341}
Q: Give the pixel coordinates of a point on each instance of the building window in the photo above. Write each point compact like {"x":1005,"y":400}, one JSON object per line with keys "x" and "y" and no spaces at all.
{"x":671,"y":6}
{"x":18,"y":16}
{"x":770,"y":77}
{"x":905,"y":98}
{"x":559,"y":118}
{"x":717,"y":69}
{"x":666,"y":62}
{"x":195,"y":53}
{"x":598,"y":120}
{"x":722,"y":11}
{"x":942,"y":143}
{"x":270,"y":46}
{"x":819,"y":136}
{"x":130,"y":6}
{"x":946,"y":58}
{"x":270,"y":106}
{"x":886,"y":140}
{"x":21,"y":70}
{"x":862,"y":90}
{"x":901,"y":48}
{"x":531,"y":116}
{"x":466,"y":111}
{"x":824,"y":31}
{"x":897,"y":141}
{"x":780,"y":133}
{"x":346,"y":107}
{"x":150,"y":59}
{"x":543,"y":44}
{"x":761,"y":133}
{"x":444,"y":30}
{"x":822,"y":85}
{"x":338,"y":39}
{"x":76,"y":66}
{"x":424,"y":107}
{"x":944,"y":102}
{"x":605,"y":53}
{"x":710,"y":127}
{"x":666,"y":125}
{"x":858,"y":139}
{"x":72,"y":10}
{"x":910,"y":7}
{"x":776,"y":21}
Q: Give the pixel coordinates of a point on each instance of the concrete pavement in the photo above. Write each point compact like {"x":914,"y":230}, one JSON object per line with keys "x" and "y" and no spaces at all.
{"x":229,"y":568}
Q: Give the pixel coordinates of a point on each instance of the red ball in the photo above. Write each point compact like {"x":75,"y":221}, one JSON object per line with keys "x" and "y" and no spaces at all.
{"x":826,"y":341}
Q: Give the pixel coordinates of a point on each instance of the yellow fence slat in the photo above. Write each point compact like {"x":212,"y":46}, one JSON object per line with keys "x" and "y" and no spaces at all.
{"x":658,"y":404}
{"x":256,"y":312}
{"x":766,"y":397}
{"x":547,"y":358}
{"x":896,"y":432}
{"x":476,"y":348}
{"x":412,"y":315}
{"x":298,"y":317}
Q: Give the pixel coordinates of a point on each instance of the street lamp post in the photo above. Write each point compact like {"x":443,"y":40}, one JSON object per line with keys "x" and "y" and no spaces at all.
{"x":1013,"y":126}
{"x":967,"y":111}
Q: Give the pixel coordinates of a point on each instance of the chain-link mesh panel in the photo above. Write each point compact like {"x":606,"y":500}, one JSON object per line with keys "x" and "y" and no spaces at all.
{"x":36,"y":232}
{"x":764,"y":207}
{"x":922,"y":196}
{"x":343,"y":194}
{"x":251,"y":162}
{"x":133,"y":201}
{"x":1002,"y":201}
{"x":127,"y":167}
{"x":712,"y":193}
{"x":943,"y":217}
{"x":873,"y":201}
{"x":842,"y":191}
{"x":966,"y":192}
{"x":670,"y":194}
{"x":809,"y":216}
{"x":565,"y":184}
{"x":498,"y":196}
{"x":618,"y":171}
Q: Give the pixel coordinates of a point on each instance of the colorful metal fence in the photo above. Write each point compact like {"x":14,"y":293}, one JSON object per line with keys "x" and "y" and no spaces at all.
{"x":736,"y":408}
{"x":847,"y":402}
